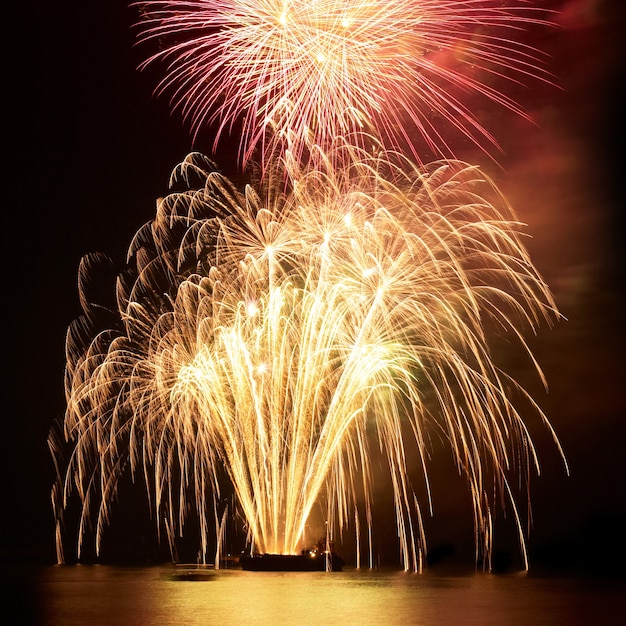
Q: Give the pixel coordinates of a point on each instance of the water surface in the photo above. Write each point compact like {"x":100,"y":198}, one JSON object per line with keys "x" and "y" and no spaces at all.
{"x":99,"y":595}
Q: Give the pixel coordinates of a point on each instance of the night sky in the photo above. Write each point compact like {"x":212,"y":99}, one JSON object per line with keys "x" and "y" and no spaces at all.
{"x":91,"y":148}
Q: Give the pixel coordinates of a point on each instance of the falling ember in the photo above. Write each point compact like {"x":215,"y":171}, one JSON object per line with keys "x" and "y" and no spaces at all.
{"x":264,"y":339}
{"x":309,"y":71}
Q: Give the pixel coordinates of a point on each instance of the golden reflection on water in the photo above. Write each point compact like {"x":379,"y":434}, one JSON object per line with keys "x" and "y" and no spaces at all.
{"x":107,"y":596}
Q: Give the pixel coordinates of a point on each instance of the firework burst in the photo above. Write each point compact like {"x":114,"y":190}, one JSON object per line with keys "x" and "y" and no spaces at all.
{"x":263,"y":341}
{"x":305,"y":72}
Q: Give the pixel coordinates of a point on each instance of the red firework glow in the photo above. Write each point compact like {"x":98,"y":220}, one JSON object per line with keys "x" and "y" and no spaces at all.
{"x":305,"y":72}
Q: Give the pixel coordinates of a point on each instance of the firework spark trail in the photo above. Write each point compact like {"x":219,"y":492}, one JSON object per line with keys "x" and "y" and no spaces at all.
{"x":302,"y":72}
{"x":265,"y":339}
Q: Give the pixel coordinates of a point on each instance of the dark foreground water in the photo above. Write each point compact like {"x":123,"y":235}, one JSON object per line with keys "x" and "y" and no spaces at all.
{"x":95,"y":595}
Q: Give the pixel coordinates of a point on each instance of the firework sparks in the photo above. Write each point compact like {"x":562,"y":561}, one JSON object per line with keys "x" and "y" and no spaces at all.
{"x":264,"y":340}
{"x":304,"y":72}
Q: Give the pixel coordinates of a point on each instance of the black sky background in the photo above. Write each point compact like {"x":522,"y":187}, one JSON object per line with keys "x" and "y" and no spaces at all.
{"x":90,"y":149}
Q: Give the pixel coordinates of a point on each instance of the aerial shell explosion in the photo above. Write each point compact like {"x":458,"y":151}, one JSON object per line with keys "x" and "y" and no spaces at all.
{"x":278,"y":341}
{"x":288,"y":74}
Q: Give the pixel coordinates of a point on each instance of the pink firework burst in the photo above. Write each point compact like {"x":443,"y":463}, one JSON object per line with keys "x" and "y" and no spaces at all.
{"x":296,"y":73}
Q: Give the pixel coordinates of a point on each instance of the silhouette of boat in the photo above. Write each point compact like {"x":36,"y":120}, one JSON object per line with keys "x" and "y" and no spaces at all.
{"x":314,"y":560}
{"x":193,"y":573}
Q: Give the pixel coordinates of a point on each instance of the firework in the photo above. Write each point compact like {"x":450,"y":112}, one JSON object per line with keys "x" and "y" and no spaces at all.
{"x":275,"y":343}
{"x":290,"y":74}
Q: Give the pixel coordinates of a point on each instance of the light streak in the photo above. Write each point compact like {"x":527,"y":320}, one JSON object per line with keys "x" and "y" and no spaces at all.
{"x":276,"y":342}
{"x":287,"y":74}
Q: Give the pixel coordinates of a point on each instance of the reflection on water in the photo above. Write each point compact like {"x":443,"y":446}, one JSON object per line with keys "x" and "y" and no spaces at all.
{"x":104,"y":595}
